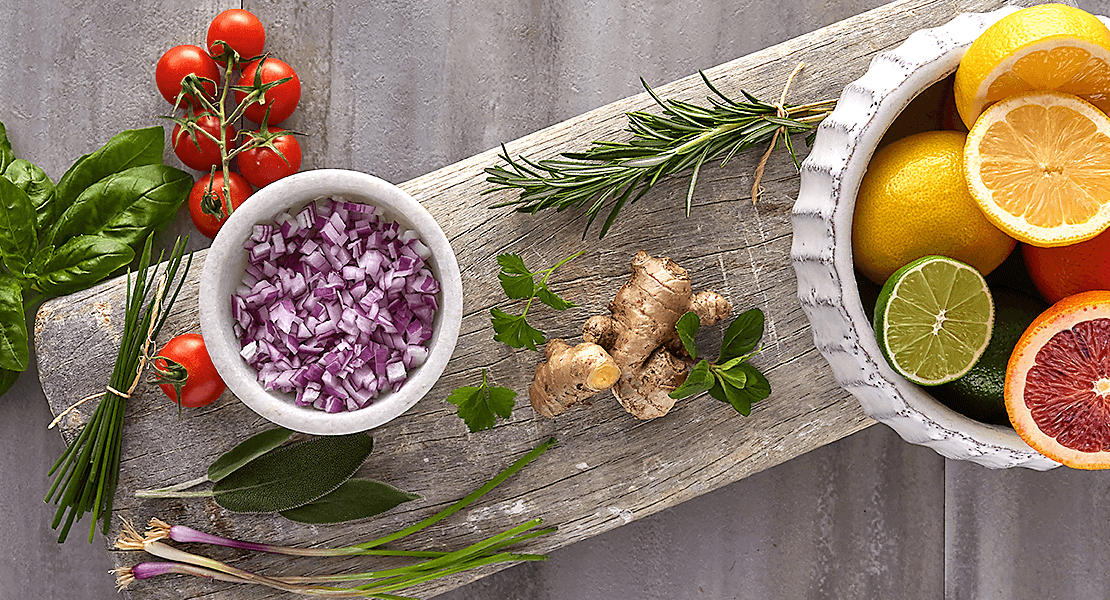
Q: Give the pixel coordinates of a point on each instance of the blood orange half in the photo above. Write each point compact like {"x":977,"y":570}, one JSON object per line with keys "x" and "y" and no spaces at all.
{"x":1058,"y":382}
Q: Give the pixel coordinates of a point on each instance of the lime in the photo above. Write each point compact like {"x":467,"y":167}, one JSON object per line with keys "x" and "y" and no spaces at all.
{"x":980,"y":393}
{"x":933,"y":319}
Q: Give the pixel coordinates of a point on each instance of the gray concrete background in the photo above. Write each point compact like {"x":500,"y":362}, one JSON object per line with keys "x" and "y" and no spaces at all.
{"x":869,"y":516}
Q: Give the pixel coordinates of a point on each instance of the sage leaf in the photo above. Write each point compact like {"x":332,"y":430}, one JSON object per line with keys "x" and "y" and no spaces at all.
{"x":14,"y":351}
{"x":40,"y":190}
{"x":293,"y":475}
{"x":7,"y":380}
{"x":125,"y":206}
{"x":18,"y":241}
{"x":742,"y":335}
{"x":127,"y":149}
{"x":82,"y":262}
{"x":698,"y":381}
{"x":7,"y":155}
{"x":355,"y":499}
{"x":248,"y":450}
{"x":687,"y":327}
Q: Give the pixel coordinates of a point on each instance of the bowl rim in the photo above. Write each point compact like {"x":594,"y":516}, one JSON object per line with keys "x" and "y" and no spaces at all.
{"x":821,"y":250}
{"x":216,"y":287}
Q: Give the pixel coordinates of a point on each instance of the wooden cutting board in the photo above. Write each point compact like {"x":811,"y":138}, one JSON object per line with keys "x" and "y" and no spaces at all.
{"x":608,"y":467}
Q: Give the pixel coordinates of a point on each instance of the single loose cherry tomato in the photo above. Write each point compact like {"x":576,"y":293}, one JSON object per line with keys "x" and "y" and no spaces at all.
{"x":204,"y":384}
{"x":263,"y":166}
{"x":209,"y":225}
{"x":280,"y":99}
{"x":239,"y":29}
{"x":180,"y":61}
{"x":197,"y":150}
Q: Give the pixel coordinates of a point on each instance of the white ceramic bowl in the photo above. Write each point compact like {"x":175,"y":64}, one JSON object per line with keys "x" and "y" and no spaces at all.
{"x":223,"y":272}
{"x":822,"y":250}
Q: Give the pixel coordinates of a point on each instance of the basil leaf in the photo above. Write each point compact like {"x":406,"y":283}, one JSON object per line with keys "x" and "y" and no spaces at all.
{"x":127,"y":149}
{"x":40,"y":189}
{"x":355,"y":499}
{"x":80,"y":263}
{"x":248,"y":450}
{"x":6,"y":153}
{"x":294,"y":475}
{"x":18,"y":241}
{"x":14,"y":351}
{"x":125,"y":206}
{"x":742,"y":335}
{"x":699,"y":380}
{"x":687,"y":327}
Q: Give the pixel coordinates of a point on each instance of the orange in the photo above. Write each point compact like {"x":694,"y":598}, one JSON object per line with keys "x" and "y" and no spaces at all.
{"x":1058,"y":382}
{"x":1045,"y":47}
{"x":1038,"y":165}
{"x":1065,"y":270}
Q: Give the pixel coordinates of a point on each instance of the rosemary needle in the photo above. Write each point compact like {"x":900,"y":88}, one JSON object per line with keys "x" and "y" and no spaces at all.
{"x":683,"y":138}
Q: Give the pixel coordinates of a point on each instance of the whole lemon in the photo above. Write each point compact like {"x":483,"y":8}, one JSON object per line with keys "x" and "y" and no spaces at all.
{"x":914,"y":202}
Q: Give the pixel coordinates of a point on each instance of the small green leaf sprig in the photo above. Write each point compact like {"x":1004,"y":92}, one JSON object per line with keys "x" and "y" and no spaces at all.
{"x":519,"y":283}
{"x":479,"y":406}
{"x":731,"y":379}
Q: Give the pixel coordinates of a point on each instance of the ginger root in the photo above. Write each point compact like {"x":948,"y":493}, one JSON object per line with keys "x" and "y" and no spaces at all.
{"x":635,"y":351}
{"x":570,"y":375}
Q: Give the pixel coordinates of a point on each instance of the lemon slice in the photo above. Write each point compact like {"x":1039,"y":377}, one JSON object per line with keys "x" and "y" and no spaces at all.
{"x":1044,"y":47}
{"x":1038,"y":164}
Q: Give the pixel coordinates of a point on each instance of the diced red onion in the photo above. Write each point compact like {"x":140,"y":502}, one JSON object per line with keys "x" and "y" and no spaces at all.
{"x":336,"y":305}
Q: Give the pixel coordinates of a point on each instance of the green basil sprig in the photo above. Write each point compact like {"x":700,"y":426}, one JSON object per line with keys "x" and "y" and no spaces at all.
{"x":60,"y":239}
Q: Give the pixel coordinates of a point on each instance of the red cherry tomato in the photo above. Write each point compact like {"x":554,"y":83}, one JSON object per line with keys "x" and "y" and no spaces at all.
{"x":201,"y":153}
{"x":209,"y":225}
{"x":263,"y":166}
{"x":281,"y":99}
{"x":239,"y":29}
{"x":204,"y":384}
{"x":180,"y":61}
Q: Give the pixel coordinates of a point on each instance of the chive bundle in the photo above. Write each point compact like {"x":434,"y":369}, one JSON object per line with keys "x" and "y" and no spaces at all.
{"x":86,"y":474}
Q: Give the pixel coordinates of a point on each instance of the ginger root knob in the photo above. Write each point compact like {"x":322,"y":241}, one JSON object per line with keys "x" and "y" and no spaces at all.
{"x":569,"y":375}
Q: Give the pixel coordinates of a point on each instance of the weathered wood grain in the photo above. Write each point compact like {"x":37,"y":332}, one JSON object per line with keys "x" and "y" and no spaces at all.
{"x":608,"y":468}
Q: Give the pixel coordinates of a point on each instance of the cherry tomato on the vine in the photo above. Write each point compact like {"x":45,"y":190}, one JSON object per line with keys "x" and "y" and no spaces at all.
{"x":209,"y":225}
{"x":180,"y":61}
{"x":263,"y":166}
{"x":281,"y":99}
{"x":239,"y":29}
{"x":204,"y":384}
{"x":201,"y":153}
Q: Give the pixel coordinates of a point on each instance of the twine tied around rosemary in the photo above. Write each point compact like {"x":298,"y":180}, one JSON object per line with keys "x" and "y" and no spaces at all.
{"x":782,"y":114}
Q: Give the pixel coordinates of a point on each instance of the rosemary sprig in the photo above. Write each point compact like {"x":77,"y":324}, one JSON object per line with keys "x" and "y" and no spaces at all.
{"x":683,"y":138}
{"x":86,"y":474}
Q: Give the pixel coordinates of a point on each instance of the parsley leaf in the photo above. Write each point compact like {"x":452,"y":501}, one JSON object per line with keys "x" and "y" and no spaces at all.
{"x":519,"y":283}
{"x":514,"y":330}
{"x":480,"y":406}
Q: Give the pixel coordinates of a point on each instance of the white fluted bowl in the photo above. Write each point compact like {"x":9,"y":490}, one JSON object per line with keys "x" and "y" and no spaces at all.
{"x":822,"y":250}
{"x":223,"y":273}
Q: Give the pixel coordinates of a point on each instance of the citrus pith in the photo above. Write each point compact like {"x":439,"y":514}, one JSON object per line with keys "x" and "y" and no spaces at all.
{"x":1044,"y":47}
{"x":1038,"y":165}
{"x":1058,"y":382}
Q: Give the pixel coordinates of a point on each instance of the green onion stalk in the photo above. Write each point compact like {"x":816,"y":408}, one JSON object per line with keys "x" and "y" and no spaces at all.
{"x":86,"y":475}
{"x":381,"y":583}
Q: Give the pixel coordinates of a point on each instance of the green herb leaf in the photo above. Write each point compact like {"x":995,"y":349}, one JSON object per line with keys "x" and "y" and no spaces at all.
{"x":513,"y":264}
{"x":687,"y":327}
{"x":293,"y":475}
{"x":355,"y":499}
{"x":480,"y":406}
{"x":6,"y":153}
{"x":514,"y":330}
{"x":7,"y":380}
{"x":698,"y":381}
{"x":18,"y":241}
{"x":247,"y":450}
{"x":755,"y":388}
{"x":14,"y":349}
{"x":40,"y":190}
{"x":128,"y":149}
{"x":551,"y":299}
{"x":742,"y":335}
{"x":80,"y":263}
{"x":517,"y":286}
{"x":735,"y":375}
{"x":125,"y":206}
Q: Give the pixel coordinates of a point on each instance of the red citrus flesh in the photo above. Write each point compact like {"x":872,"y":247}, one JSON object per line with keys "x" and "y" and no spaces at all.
{"x":1058,"y":382}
